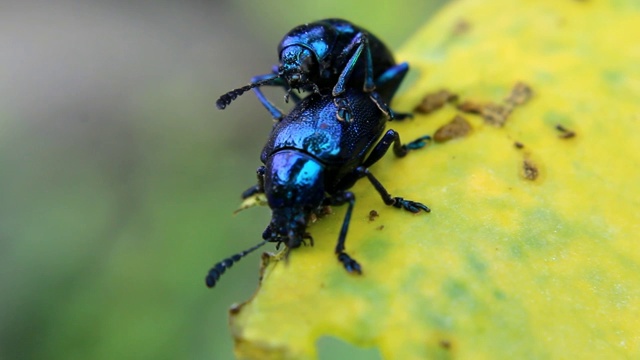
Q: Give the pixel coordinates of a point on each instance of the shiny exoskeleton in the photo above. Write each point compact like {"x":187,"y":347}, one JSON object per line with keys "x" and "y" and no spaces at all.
{"x":327,"y":55}
{"x":311,"y":159}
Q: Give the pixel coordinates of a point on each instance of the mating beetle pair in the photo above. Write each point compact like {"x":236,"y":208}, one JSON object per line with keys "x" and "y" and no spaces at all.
{"x":312,"y":158}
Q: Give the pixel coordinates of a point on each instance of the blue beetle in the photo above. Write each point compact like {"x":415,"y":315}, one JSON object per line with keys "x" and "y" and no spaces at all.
{"x":330,"y":54}
{"x":311,"y":159}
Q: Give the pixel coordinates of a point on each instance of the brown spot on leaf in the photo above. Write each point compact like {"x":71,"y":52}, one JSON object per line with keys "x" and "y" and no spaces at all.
{"x":529,"y":170}
{"x":470,"y":107}
{"x":380,"y":227}
{"x":235,"y":308}
{"x":518,"y":145}
{"x":520,"y":94}
{"x":265,"y":259}
{"x":458,"y":127}
{"x":373,"y":215}
{"x":496,"y":115}
{"x":434,"y":101}
{"x":313,"y":218}
{"x":445,"y":344}
{"x":461,"y":27}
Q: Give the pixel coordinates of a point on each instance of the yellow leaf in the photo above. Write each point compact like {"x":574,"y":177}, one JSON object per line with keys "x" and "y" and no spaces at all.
{"x":531,"y":251}
{"x":254,"y":200}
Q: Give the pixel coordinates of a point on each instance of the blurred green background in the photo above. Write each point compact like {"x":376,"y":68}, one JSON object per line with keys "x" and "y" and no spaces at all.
{"x":119,"y":177}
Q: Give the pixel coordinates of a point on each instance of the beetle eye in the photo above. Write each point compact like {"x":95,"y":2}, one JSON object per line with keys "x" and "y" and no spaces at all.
{"x":289,"y":57}
{"x":306,"y":61}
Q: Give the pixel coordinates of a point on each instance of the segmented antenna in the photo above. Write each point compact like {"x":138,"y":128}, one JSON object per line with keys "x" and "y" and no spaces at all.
{"x":218,"y":269}
{"x":227,"y":98}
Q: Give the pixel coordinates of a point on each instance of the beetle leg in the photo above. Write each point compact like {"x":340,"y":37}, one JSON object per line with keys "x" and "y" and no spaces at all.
{"x":398,"y":202}
{"x":273,"y":110}
{"x":360,"y":43}
{"x":338,"y":199}
{"x":388,"y":83}
{"x":258,"y":188}
{"x":290,"y":94}
{"x":399,"y":149}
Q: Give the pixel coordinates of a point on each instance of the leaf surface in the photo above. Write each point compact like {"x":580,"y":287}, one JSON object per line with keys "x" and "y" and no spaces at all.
{"x":531,"y":251}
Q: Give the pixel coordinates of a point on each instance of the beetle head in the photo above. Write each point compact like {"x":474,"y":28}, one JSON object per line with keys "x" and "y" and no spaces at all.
{"x":298,"y":66}
{"x":294,"y":186}
{"x":287,"y":225}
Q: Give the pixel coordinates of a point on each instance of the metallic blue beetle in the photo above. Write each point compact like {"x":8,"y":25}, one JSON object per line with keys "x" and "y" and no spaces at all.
{"x":311,"y":159}
{"x":331,"y":54}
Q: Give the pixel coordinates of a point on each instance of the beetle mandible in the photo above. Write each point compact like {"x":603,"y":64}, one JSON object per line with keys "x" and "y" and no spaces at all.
{"x":330,"y":54}
{"x":311,"y":159}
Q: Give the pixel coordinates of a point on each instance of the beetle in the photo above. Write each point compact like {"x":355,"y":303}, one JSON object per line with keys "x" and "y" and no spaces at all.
{"x":327,"y":54}
{"x":311,"y":159}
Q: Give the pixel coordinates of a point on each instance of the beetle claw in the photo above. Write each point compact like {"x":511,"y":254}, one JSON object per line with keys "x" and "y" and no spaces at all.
{"x":350,"y":265}
{"x":412,"y":206}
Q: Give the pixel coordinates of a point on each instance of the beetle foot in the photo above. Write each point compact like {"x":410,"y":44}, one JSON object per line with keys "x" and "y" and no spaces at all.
{"x":349,"y":264}
{"x":399,"y":116}
{"x":418,"y":143}
{"x":307,"y":236}
{"x":410,"y":205}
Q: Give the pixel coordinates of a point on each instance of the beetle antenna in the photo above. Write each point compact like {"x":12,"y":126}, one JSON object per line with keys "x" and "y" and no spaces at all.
{"x":227,"y":98}
{"x":218,"y":269}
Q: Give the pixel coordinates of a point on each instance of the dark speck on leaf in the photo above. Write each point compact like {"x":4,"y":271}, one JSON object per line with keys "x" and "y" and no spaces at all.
{"x":445,"y":344}
{"x":565,"y":133}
